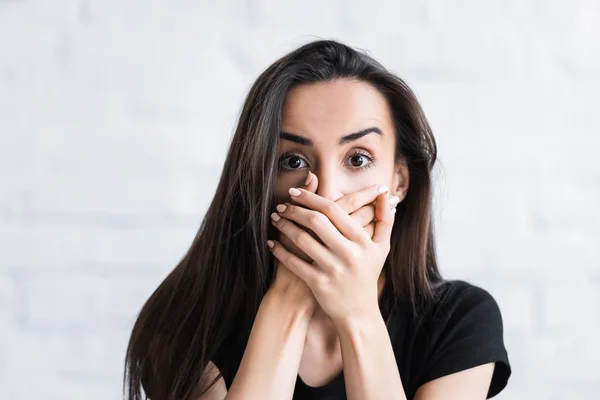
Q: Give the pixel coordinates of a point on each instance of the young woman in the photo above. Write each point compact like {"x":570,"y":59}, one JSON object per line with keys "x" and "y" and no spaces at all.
{"x":313,"y":274}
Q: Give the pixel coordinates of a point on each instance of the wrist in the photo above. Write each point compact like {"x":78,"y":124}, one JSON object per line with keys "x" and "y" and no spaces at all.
{"x":299,"y":306}
{"x":359,"y":321}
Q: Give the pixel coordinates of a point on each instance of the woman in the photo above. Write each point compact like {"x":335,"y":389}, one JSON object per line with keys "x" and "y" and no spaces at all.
{"x":318,"y":247}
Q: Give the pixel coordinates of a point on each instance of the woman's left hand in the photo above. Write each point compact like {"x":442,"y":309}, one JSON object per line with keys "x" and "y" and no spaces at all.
{"x":344,"y":275}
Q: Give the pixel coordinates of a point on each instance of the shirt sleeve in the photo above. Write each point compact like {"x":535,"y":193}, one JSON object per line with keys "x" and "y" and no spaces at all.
{"x":228,"y":357}
{"x":467,"y":331}
{"x":219,"y":359}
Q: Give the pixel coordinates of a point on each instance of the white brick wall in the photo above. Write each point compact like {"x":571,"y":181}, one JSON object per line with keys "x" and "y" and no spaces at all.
{"x":115,"y":116}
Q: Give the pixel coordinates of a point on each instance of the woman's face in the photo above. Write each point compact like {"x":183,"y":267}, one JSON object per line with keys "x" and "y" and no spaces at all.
{"x":342,"y":131}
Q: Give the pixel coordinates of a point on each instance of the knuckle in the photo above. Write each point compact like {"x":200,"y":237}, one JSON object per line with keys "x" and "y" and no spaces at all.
{"x":330,"y":265}
{"x":348,"y":254}
{"x":283,"y":223}
{"x":303,"y":239}
{"x":279,"y":250}
{"x":316,"y":219}
{"x":363,"y":217}
{"x":344,"y":204}
{"x":335,"y":273}
{"x":331,"y":208}
{"x":321,"y":282}
{"x":363,"y":242}
{"x":291,"y":262}
{"x":355,"y":203}
{"x":290,"y":210}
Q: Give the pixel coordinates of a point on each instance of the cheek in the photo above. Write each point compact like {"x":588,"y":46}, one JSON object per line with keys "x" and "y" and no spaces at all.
{"x":358,"y":181}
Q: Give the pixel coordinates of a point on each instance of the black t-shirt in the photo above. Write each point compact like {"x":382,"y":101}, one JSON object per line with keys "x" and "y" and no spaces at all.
{"x":460,"y":329}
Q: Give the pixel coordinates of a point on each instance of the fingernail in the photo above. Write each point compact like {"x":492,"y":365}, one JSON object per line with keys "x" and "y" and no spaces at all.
{"x":294,"y":192}
{"x":270,"y":243}
{"x":382,"y":189}
{"x":281,"y":207}
{"x":275,"y":217}
{"x":394,"y":200}
{"x":308,"y":179}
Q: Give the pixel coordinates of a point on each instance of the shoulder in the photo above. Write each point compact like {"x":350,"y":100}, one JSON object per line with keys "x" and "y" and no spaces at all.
{"x":463,"y":328}
{"x":453,"y":299}
{"x":457,"y":309}
{"x":454,"y":302}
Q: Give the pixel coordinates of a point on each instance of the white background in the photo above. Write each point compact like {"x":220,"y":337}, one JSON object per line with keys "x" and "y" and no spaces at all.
{"x":115,"y":117}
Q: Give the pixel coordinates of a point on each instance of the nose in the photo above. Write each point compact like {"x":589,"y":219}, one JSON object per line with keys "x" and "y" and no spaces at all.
{"x":329,"y":185}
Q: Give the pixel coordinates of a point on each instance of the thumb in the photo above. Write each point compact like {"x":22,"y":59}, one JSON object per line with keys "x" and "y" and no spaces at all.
{"x":311,"y":183}
{"x":311,"y":186}
{"x":385,"y":219}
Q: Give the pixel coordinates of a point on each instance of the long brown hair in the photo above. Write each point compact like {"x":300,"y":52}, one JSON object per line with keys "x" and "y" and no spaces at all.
{"x":213,"y":294}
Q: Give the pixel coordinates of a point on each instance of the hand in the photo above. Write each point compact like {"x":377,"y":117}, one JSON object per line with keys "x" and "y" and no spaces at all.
{"x":347,"y":261}
{"x":359,"y":205}
{"x":288,"y":283}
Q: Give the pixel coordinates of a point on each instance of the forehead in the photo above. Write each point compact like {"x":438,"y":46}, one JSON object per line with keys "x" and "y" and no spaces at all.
{"x":335,"y":108}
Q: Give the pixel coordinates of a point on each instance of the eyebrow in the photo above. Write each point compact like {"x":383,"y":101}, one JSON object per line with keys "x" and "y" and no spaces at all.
{"x":343,"y":140}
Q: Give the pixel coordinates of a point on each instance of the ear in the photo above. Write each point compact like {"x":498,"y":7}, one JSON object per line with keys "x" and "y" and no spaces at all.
{"x":401,"y":179}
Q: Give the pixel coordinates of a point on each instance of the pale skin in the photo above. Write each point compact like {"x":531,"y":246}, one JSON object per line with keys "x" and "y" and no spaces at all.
{"x":334,"y":239}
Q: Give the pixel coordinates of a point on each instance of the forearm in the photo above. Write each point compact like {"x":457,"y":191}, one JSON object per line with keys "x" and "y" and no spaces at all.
{"x":270,"y":363}
{"x":370,"y":369}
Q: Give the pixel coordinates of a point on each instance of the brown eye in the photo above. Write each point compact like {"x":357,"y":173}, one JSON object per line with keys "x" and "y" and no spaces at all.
{"x":360,"y":160}
{"x":357,"y":160}
{"x":291,"y":162}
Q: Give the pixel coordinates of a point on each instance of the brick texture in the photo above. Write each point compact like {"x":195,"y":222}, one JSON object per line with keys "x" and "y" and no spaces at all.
{"x":115,"y":117}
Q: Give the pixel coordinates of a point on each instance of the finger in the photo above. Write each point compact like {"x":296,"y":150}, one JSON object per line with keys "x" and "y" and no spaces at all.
{"x":303,"y":270}
{"x":353,"y":201}
{"x":340,"y":219}
{"x":370,"y":229}
{"x":385,"y":219}
{"x":311,"y":183}
{"x":366,"y":214}
{"x":318,"y":223}
{"x":292,"y":248}
{"x":305,"y":242}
